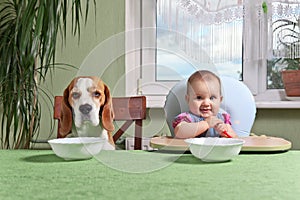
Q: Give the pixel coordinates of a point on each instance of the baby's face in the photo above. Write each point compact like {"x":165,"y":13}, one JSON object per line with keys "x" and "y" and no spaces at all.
{"x":204,"y":98}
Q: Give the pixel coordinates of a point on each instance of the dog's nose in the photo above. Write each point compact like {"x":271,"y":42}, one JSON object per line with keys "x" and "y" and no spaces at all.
{"x":85,"y":109}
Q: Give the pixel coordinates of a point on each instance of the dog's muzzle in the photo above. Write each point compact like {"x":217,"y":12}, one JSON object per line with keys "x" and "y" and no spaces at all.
{"x":86,"y":114}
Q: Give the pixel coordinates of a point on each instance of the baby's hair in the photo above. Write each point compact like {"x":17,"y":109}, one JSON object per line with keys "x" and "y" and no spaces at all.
{"x":203,"y":75}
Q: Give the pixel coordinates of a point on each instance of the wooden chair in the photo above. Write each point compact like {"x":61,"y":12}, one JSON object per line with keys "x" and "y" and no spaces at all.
{"x":128,"y":109}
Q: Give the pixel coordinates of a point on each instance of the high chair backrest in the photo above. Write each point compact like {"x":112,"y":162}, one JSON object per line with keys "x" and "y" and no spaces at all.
{"x":238,"y":101}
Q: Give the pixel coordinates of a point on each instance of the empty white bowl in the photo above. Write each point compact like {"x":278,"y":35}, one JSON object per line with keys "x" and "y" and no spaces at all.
{"x":76,"y":148}
{"x":213,"y":149}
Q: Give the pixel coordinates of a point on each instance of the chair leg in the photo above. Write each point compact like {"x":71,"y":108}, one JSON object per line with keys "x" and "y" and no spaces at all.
{"x":138,"y":135}
{"x":123,"y":128}
{"x":58,"y":129}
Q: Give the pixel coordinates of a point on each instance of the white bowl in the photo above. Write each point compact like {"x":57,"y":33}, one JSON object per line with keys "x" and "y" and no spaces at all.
{"x":213,"y":149}
{"x":76,"y":148}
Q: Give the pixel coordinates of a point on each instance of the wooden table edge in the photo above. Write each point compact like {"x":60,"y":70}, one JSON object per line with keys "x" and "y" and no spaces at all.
{"x":284,"y":147}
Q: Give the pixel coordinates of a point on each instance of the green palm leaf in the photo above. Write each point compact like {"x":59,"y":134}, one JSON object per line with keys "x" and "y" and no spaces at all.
{"x":28,"y":34}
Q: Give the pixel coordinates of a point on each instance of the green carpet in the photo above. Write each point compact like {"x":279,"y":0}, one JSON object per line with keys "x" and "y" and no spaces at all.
{"x":32,"y":174}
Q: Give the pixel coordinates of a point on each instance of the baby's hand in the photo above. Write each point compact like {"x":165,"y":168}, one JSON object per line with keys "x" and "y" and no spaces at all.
{"x":213,"y":121}
{"x":229,"y":132}
{"x":220,"y":128}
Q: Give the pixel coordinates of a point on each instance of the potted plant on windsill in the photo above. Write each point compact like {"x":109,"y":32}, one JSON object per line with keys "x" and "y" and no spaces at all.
{"x":291,"y":78}
{"x":288,"y":34}
{"x":28,"y":34}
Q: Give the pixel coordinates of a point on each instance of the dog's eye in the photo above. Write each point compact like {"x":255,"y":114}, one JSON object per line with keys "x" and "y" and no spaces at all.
{"x":75,"y":95}
{"x":96,"y":94}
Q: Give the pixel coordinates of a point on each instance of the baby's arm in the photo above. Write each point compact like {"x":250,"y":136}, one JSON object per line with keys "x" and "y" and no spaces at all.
{"x":190,"y":129}
{"x":185,"y":127}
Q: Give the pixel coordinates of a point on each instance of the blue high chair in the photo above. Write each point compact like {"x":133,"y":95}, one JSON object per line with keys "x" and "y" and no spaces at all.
{"x":238,"y":101}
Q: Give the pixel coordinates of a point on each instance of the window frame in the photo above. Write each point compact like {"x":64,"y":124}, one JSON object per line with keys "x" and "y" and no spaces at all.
{"x":140,"y":44}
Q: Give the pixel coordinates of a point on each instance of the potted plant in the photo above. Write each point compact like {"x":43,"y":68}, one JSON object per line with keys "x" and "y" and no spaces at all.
{"x":288,"y":34}
{"x":28,"y":35}
{"x":291,"y":78}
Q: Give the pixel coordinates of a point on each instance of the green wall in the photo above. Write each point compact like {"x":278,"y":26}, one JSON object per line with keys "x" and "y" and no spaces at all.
{"x":108,"y":29}
{"x":279,"y":123}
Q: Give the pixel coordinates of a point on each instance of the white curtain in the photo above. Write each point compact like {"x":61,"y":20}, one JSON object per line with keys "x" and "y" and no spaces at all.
{"x":280,"y":31}
{"x":195,"y":16}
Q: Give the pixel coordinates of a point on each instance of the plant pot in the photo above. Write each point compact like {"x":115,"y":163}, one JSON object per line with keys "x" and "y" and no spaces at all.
{"x":291,"y":82}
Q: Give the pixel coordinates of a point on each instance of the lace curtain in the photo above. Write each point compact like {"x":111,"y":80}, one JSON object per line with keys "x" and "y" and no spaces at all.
{"x":195,"y":16}
{"x":284,"y":26}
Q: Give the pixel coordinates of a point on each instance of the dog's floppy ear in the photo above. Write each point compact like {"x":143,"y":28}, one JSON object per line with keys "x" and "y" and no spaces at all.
{"x":107,"y":111}
{"x":66,"y":117}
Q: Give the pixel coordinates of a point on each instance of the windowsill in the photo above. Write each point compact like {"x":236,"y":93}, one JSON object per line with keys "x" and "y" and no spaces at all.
{"x":278,"y":104}
{"x":158,"y":102}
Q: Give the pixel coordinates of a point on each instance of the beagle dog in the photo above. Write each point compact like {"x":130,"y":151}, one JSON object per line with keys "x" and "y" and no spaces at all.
{"x":87,"y":110}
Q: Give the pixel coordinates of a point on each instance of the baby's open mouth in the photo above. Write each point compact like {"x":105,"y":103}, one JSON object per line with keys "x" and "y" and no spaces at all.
{"x":205,"y":110}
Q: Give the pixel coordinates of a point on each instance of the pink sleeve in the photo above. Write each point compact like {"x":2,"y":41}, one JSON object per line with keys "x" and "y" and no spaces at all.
{"x":180,"y":118}
{"x":226,"y":118}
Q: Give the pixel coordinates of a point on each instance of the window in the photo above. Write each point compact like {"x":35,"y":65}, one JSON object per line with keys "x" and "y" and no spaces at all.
{"x":208,"y":40}
{"x":285,"y":43}
{"x":147,"y":71}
